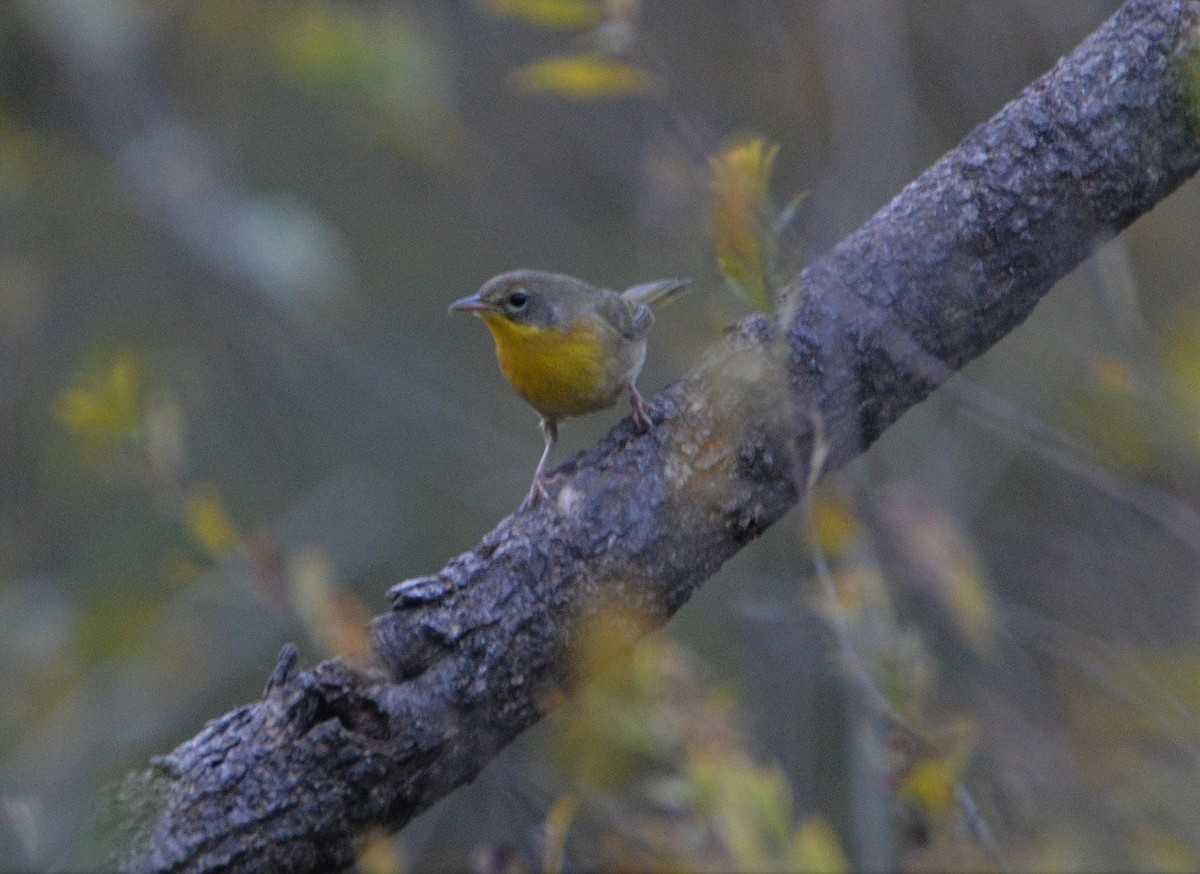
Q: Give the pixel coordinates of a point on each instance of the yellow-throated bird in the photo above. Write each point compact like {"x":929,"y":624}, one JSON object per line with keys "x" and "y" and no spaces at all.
{"x":567,"y":347}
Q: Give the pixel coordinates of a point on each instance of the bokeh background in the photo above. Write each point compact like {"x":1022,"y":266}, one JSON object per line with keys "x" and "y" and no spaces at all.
{"x":234,"y":411}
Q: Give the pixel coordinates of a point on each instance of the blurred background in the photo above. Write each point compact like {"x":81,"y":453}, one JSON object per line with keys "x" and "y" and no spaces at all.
{"x":234,"y":411}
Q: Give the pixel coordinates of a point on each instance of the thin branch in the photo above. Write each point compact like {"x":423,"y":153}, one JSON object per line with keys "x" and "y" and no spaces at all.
{"x":470,"y":657}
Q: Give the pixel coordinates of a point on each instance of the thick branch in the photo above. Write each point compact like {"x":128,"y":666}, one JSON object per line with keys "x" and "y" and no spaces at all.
{"x":470,"y":657}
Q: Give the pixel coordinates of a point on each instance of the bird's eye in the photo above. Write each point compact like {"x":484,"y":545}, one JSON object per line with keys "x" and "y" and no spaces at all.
{"x":517,"y":300}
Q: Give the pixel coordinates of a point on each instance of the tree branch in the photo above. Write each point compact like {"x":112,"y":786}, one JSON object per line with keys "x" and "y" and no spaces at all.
{"x":470,"y":657}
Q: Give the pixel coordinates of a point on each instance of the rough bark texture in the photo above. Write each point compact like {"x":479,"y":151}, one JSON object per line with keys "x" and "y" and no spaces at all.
{"x":470,"y":657}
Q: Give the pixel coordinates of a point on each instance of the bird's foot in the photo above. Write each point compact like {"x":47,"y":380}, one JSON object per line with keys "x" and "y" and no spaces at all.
{"x":641,"y":410}
{"x":537,"y":494}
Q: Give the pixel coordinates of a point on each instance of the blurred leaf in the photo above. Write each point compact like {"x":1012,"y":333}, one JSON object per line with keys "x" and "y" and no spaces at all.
{"x":178,"y":568}
{"x":646,"y":723}
{"x":110,"y":406}
{"x":743,"y":220}
{"x":164,"y":437}
{"x":903,"y":670}
{"x":1145,"y":707}
{"x":330,"y":47}
{"x":616,"y":720}
{"x":835,"y":524}
{"x":750,"y":807}
{"x":1180,"y":354}
{"x":380,"y":854}
{"x":1180,"y":351}
{"x":24,"y":157}
{"x":1191,"y":71}
{"x":1159,"y":851}
{"x":789,"y":212}
{"x":116,"y":613}
{"x":1116,"y":415}
{"x":815,"y":848}
{"x":558,"y":822}
{"x":580,"y":77}
{"x":948,"y":565}
{"x":893,"y":656}
{"x":1113,"y":374}
{"x":334,"y":619}
{"x":551,"y":13}
{"x":929,"y":784}
{"x":373,"y":62}
{"x":324,"y":48}
{"x":338,"y":47}
{"x":208,"y":523}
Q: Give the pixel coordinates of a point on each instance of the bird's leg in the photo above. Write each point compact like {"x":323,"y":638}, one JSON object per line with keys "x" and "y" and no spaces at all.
{"x":641,"y":410}
{"x":537,"y":491}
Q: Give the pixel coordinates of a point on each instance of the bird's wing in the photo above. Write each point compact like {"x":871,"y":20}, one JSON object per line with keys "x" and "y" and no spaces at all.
{"x":628,"y":318}
{"x":657,"y":293}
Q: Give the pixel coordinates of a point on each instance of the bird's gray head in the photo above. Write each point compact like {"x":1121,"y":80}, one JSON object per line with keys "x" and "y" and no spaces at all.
{"x":530,"y":297}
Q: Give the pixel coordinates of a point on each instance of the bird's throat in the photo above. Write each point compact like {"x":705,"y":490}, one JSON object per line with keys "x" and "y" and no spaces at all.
{"x":560,"y":373}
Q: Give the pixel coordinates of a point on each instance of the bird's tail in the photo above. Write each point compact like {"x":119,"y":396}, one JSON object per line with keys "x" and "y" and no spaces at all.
{"x":657,"y":293}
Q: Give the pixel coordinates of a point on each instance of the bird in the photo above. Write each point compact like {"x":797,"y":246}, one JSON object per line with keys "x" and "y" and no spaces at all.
{"x":568,"y":348}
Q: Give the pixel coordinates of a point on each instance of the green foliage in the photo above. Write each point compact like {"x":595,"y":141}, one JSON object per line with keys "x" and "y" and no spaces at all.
{"x":746,"y":225}
{"x":742,"y":219}
{"x":603,"y":72}
{"x":552,"y":13}
{"x":644,"y":728}
{"x":998,"y":670}
{"x":580,"y":77}
{"x":106,"y":413}
{"x":375,"y":67}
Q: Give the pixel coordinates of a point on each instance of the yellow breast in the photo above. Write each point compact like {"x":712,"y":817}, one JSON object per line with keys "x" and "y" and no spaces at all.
{"x":560,"y":373}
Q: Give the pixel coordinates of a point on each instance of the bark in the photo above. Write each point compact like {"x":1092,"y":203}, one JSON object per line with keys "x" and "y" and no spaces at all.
{"x":469,"y":657}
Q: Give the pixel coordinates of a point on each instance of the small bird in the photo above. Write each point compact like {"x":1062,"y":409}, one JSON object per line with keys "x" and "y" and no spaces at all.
{"x":566,"y":347}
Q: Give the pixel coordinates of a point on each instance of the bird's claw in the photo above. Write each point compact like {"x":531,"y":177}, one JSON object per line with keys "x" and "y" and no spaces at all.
{"x":537,"y":494}
{"x":641,"y":411}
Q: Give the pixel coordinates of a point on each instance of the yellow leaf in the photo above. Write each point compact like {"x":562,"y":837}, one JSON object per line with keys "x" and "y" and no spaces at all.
{"x":615,"y":721}
{"x":320,"y":46}
{"x":835,"y":526}
{"x":815,"y":848}
{"x":208,"y":523}
{"x":929,"y":784}
{"x":558,"y":822}
{"x":743,"y":222}
{"x":372,"y":57}
{"x":82,"y":412}
{"x":930,"y":770}
{"x":334,"y":618}
{"x":380,"y":854}
{"x":748,"y":807}
{"x":580,"y":77}
{"x":891,"y":656}
{"x":550,"y":13}
{"x":111,"y":407}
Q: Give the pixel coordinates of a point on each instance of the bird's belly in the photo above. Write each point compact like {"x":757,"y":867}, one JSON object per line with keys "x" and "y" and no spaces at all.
{"x":560,"y":373}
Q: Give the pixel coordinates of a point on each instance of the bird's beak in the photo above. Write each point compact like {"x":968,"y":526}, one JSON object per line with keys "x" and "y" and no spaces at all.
{"x":472,"y":304}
